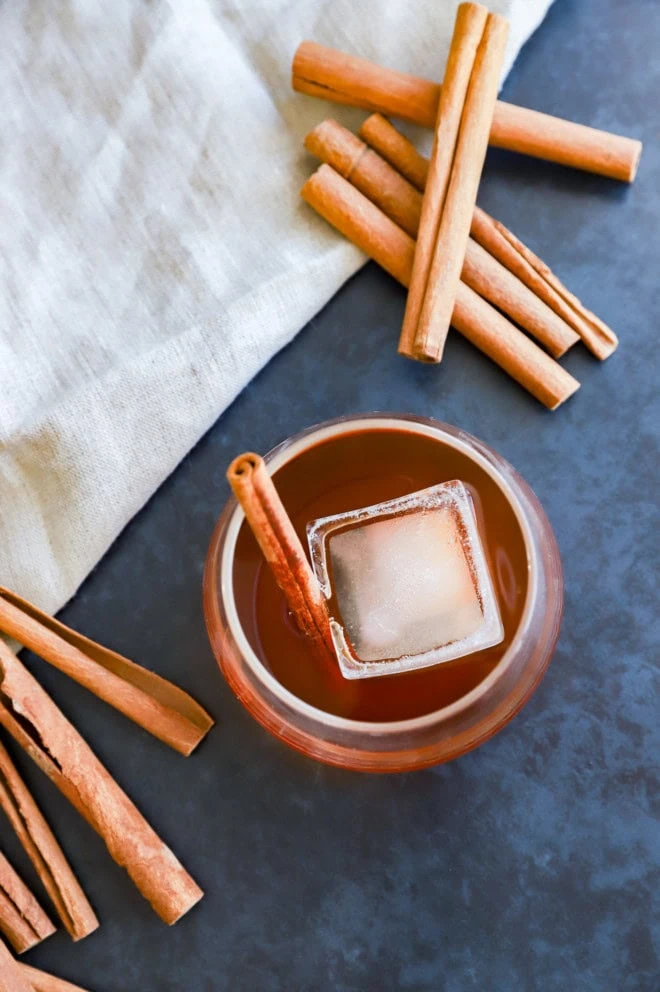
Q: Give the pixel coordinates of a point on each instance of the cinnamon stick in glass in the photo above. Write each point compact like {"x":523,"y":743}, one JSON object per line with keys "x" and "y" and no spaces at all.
{"x":255,"y":491}
{"x":359,"y":220}
{"x":43,"y":850}
{"x":498,"y":241}
{"x":152,"y":702}
{"x":42,"y":730}
{"x":333,"y":75}
{"x":399,"y":199}
{"x":465,"y":113}
{"x":22,"y":920}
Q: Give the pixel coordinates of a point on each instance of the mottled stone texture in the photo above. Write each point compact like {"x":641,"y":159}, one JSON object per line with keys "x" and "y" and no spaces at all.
{"x":532,"y":863}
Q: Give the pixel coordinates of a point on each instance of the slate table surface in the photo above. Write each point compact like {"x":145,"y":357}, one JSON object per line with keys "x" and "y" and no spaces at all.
{"x":533,"y":862}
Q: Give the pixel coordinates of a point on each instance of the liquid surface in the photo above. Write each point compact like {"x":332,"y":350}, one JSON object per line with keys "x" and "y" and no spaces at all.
{"x":344,"y":473}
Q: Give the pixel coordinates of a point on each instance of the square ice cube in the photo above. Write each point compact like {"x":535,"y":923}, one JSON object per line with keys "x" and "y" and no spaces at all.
{"x":407,"y":582}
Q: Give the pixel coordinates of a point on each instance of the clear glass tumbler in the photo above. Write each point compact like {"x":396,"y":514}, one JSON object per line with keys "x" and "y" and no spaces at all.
{"x":437,"y":736}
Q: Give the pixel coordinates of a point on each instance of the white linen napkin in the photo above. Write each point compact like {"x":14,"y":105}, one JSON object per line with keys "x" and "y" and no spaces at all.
{"x":154,"y":253}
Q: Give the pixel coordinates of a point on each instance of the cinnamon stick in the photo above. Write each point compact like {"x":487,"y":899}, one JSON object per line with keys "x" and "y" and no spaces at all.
{"x":152,"y":702}
{"x":12,"y":978}
{"x":18,"y":977}
{"x":41,"y":981}
{"x":505,"y":246}
{"x":255,"y":491}
{"x":391,"y":145}
{"x":398,"y":198}
{"x":44,"y":852}
{"x":490,"y":279}
{"x":370,"y":229}
{"x":367,"y":171}
{"x":499,"y":242}
{"x":333,"y":75}
{"x":468,"y":33}
{"x":35,"y":722}
{"x":22,"y":920}
{"x":465,"y":113}
{"x":359,"y":220}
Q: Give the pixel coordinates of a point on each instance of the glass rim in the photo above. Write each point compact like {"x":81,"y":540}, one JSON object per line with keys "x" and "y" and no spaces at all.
{"x":281,"y":455}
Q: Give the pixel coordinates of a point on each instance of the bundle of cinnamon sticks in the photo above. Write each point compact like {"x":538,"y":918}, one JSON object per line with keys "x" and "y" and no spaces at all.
{"x":31,"y":717}
{"x":420,"y":221}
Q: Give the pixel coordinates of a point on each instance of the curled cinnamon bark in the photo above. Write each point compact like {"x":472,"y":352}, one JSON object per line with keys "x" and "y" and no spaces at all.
{"x":44,"y":852}
{"x":163,"y":709}
{"x":35,"y":722}
{"x":22,"y":920}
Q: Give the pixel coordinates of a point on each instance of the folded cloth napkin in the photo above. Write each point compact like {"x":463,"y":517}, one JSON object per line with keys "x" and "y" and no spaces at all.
{"x":154,"y":251}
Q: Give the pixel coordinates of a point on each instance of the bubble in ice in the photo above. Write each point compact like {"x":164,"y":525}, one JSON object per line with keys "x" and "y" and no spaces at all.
{"x":407,"y":582}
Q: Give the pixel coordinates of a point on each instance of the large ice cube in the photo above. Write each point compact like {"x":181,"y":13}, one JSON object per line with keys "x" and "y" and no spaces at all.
{"x":408,"y":582}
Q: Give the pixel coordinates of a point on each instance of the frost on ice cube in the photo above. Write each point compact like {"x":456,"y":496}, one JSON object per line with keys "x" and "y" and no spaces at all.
{"x":407,"y":582}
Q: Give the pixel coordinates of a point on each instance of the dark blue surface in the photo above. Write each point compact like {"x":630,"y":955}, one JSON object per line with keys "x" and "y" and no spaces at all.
{"x":532,"y":863}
